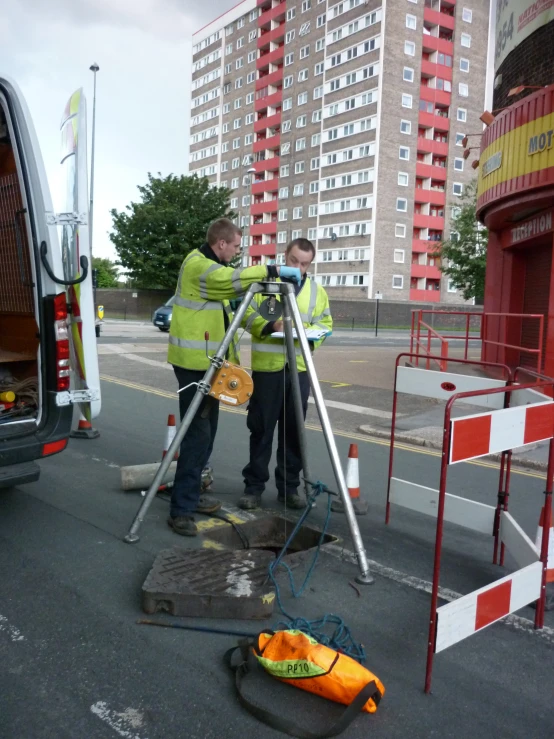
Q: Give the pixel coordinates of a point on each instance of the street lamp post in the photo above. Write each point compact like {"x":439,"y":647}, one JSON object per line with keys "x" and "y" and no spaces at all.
{"x":94,"y":68}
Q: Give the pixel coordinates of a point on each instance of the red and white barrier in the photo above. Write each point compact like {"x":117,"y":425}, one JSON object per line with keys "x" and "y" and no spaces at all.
{"x":505,"y":426}
{"x":170,"y":434}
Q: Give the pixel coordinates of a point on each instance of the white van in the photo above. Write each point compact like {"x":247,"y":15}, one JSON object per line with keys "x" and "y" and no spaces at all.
{"x":48,"y":353}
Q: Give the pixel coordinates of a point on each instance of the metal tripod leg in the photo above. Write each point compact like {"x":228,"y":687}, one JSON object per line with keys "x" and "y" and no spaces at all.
{"x":364,"y":577}
{"x":296,"y":394}
{"x":204,"y":387}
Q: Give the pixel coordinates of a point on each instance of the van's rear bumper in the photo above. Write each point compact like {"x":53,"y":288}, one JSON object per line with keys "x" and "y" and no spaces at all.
{"x":18,"y":449}
{"x":19,"y":474}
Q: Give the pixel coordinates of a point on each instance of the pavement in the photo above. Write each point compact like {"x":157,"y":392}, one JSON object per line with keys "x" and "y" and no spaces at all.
{"x":77,"y":665}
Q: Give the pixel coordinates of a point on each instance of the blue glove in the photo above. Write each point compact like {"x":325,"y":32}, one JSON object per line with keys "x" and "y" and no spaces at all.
{"x":290,"y":273}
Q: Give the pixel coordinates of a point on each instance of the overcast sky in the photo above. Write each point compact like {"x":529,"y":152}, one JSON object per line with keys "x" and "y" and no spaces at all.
{"x":143,"y":48}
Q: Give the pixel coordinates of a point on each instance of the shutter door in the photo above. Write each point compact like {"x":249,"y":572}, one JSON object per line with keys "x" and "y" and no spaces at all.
{"x":536,"y":299}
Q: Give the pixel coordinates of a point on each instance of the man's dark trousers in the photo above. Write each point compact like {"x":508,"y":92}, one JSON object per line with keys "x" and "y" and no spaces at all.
{"x":272,"y":405}
{"x":196,"y":447}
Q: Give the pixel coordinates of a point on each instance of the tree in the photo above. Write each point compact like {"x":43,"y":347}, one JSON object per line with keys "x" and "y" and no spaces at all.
{"x":464,"y":255}
{"x":154,"y":236}
{"x":106,"y":272}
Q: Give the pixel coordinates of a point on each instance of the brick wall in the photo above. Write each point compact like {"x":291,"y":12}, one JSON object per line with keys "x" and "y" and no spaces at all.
{"x":123,"y":304}
{"x":531,"y":63}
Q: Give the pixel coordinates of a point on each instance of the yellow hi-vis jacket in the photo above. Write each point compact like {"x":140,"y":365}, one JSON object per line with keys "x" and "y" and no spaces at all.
{"x":269,"y":355}
{"x":203,"y":292}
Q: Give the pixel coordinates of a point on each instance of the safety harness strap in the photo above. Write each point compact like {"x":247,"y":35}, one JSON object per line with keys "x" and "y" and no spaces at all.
{"x":249,"y":664}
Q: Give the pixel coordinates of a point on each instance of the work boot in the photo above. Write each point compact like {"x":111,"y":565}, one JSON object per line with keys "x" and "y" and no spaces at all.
{"x":207,"y":478}
{"x":208,"y":504}
{"x":293,"y":500}
{"x":183,"y":525}
{"x":250,"y":502}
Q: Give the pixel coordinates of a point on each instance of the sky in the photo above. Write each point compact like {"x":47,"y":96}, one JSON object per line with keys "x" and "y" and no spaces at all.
{"x":143,"y":49}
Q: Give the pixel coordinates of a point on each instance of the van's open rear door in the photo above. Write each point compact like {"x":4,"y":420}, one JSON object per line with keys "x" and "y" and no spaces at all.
{"x":76,"y":244}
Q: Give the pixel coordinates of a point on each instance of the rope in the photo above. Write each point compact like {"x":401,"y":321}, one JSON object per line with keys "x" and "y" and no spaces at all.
{"x":341,"y":638}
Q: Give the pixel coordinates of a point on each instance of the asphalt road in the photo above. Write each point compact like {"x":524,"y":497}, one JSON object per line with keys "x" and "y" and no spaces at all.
{"x":76,"y":664}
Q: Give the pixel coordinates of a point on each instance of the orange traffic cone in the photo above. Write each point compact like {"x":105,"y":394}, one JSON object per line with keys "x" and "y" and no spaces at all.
{"x":353,"y":485}
{"x":84,"y":430}
{"x":550,"y":557}
{"x":170,"y":435}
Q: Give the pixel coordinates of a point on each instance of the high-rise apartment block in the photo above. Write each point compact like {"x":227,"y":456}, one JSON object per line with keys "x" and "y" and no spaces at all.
{"x":343,"y":122}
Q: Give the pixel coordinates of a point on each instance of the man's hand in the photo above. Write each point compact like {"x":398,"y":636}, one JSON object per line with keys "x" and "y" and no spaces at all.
{"x":278,"y":327}
{"x":291,"y":273}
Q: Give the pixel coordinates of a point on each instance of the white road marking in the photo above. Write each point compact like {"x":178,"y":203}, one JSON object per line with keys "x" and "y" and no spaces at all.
{"x":357,"y":409}
{"x":424,"y":586}
{"x":13,"y":632}
{"x":123,"y":723}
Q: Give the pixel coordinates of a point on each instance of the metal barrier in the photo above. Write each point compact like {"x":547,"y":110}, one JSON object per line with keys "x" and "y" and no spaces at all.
{"x":517,"y":347}
{"x":421,"y":344}
{"x":501,"y":428}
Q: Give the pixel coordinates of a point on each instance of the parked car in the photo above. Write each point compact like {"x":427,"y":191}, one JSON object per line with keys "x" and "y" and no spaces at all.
{"x":162,"y":316}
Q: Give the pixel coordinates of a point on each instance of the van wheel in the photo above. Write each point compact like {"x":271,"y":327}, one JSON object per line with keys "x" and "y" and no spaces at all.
{"x":97,"y":331}
{"x":165,"y":330}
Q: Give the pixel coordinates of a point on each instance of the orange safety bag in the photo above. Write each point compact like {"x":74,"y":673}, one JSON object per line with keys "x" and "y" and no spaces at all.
{"x":297,"y":659}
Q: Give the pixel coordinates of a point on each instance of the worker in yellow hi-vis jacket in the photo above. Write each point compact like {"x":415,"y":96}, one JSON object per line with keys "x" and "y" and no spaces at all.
{"x":205,"y":286}
{"x":272,"y":400}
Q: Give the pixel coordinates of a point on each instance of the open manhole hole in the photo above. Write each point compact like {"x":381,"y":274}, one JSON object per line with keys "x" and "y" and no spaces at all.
{"x":269,"y":533}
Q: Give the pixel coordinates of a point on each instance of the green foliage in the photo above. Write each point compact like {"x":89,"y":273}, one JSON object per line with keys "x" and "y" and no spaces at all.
{"x":464,"y":255}
{"x":154,"y":236}
{"x":106,"y":272}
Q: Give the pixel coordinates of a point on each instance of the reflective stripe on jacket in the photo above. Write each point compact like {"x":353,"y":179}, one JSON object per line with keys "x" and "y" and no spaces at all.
{"x":268,"y":355}
{"x":203,"y":292}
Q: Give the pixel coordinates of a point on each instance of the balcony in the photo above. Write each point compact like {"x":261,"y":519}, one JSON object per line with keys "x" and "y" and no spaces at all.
{"x":273,"y":142}
{"x":423,"y":221}
{"x":268,"y":36}
{"x":434,"y":197}
{"x":272,"y":14}
{"x":425,"y":270}
{"x":263,"y":250}
{"x":267,"y":165}
{"x":275,"y":78}
{"x":434,"y":43}
{"x":429,"y":146}
{"x":268,"y":101}
{"x":260,"y":229}
{"x":433,"y":172}
{"x":425,"y":296}
{"x":436,"y":18}
{"x":265,"y":186}
{"x":422,"y":246}
{"x":270,"y":57}
{"x":430,"y":120}
{"x":431,"y":94}
{"x":267,"y":122}
{"x":268,"y":206}
{"x":431,"y":69}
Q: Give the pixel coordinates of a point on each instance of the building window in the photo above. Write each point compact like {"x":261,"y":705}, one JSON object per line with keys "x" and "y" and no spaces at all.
{"x":239,"y":63}
{"x":319,"y":68}
{"x":303,"y":98}
{"x":240,"y":23}
{"x":287,"y":82}
{"x":406,"y":101}
{"x":312,"y":211}
{"x":404,"y":153}
{"x":320,"y":44}
{"x":287,"y":104}
{"x":303,"y":75}
{"x":464,"y":65}
{"x":457,"y":188}
{"x":245,"y":200}
{"x":300,"y":144}
{"x":403,"y":179}
{"x":229,"y":49}
{"x":306,"y":5}
{"x":235,"y":164}
{"x":411,"y":22}
{"x":282,"y":237}
{"x":358,"y":280}
{"x":285,"y":148}
{"x":299,"y":168}
{"x":289,"y":36}
{"x":228,"y":68}
{"x":320,"y":20}
{"x":314,"y":164}
{"x":401,"y":205}
{"x":316,"y":139}
{"x":397,"y":282}
{"x":234,"y":202}
{"x":238,"y":83}
{"x":238,"y":103}
{"x":298,"y":190}
{"x":297,"y":234}
{"x":459,"y":139}
{"x":283,"y":214}
{"x":463,"y":89}
{"x":398,"y":256}
{"x":225,"y":128}
{"x":304,"y":52}
{"x":465,"y":40}
{"x":301,"y":121}
{"x":291,"y":13}
{"x":225,"y":147}
{"x":240,"y":42}
{"x":284,"y":170}
{"x":467,"y":15}
{"x":318,"y":92}
{"x":236,"y":123}
{"x":297,"y":213}
{"x":461,"y":115}
{"x":405,"y":127}
{"x":459,"y":164}
{"x":289,"y":59}
{"x":314,"y":187}
{"x":451,"y":288}
{"x":248,"y":139}
{"x":285,"y":127}
{"x":249,"y":101}
{"x":283,"y":193}
{"x":312,"y":234}
{"x":408,"y":74}
{"x":234,"y":182}
{"x":251,"y":57}
{"x":316,"y":116}
{"x":409,"y":48}
{"x":400,"y":231}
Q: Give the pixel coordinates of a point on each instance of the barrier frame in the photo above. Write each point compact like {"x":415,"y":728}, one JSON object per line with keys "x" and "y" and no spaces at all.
{"x":502,"y":519}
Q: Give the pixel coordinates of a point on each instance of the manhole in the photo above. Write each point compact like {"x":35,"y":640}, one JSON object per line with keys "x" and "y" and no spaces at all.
{"x":269,"y":533}
{"x":210,"y":584}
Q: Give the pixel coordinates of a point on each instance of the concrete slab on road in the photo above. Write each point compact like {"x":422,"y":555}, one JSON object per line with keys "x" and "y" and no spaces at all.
{"x":78,"y":666}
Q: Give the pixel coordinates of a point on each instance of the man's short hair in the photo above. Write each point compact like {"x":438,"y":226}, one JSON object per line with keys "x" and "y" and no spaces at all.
{"x":303,"y":245}
{"x":222,"y":230}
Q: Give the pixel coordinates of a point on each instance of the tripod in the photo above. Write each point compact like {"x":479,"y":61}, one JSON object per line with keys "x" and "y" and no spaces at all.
{"x":291,"y":313}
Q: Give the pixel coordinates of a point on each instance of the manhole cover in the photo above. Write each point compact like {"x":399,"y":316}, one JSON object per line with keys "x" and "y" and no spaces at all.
{"x":209,"y":584}
{"x":269,"y":534}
